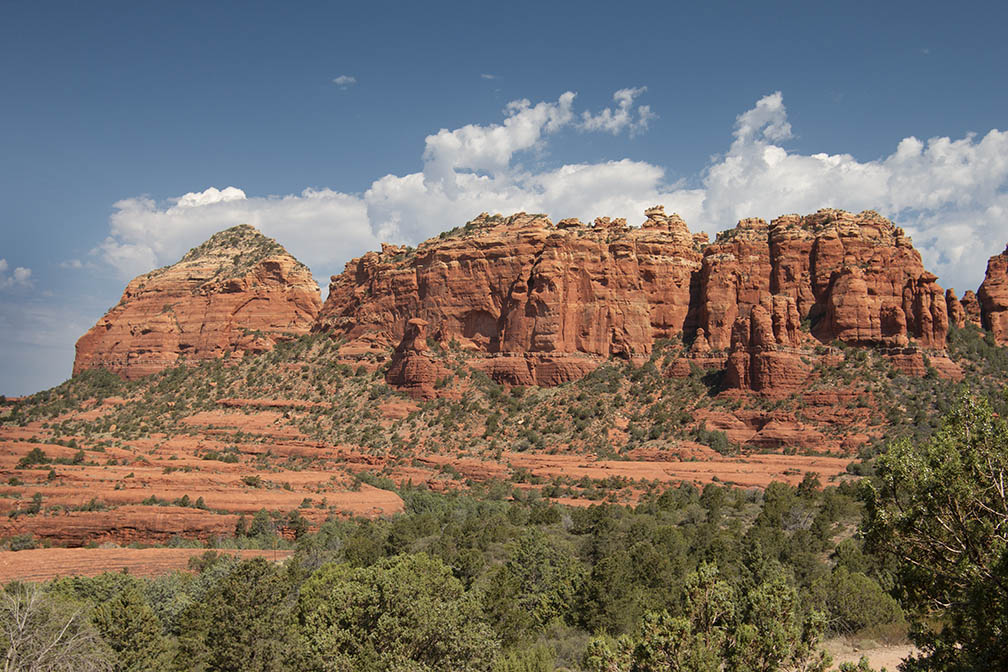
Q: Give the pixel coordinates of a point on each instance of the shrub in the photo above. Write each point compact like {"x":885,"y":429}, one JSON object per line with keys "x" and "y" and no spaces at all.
{"x":35,"y":456}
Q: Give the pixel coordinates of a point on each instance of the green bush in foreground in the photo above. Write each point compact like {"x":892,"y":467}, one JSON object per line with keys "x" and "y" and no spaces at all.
{"x":940,"y":511}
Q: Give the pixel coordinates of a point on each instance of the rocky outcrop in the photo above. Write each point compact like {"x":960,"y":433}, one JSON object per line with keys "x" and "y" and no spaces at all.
{"x":239,"y":291}
{"x":971,"y":306}
{"x":765,"y":354}
{"x":993,"y":298}
{"x":735,"y":274}
{"x":411,"y":369}
{"x":533,"y":303}
{"x":857,"y":277}
{"x":544,"y":304}
{"x":956,"y":312}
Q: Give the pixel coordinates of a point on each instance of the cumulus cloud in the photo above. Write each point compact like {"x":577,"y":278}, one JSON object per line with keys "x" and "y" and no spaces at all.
{"x":949,"y":194}
{"x":614,"y":121}
{"x":344,"y":81}
{"x":487,"y":75}
{"x":490,"y":148}
{"x":316,"y":226}
{"x":19,"y":277}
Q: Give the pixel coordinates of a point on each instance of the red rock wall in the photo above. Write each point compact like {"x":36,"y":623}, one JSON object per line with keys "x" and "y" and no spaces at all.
{"x":193,"y":311}
{"x":765,"y":354}
{"x":411,"y":369}
{"x":545,"y":304}
{"x":857,"y":276}
{"x":993,"y":298}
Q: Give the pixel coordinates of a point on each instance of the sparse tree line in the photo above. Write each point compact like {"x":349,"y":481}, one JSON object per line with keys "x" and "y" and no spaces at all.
{"x":689,"y":579}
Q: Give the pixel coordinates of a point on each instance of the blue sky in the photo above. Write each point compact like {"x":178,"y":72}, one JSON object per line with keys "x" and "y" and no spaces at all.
{"x":111,"y":113}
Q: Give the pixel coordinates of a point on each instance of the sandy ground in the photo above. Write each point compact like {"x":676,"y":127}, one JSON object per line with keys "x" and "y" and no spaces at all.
{"x":888,"y":657}
{"x":48,"y":563}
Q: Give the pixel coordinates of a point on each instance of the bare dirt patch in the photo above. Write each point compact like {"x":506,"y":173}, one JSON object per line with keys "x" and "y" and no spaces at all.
{"x":888,"y":657}
{"x":44,"y":564}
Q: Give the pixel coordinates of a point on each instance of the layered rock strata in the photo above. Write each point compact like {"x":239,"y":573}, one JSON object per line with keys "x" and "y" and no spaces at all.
{"x":543,"y":304}
{"x":993,"y":298}
{"x":237,"y":292}
{"x":411,"y":369}
{"x":533,"y":303}
{"x":765,"y":349}
{"x":856,"y":277}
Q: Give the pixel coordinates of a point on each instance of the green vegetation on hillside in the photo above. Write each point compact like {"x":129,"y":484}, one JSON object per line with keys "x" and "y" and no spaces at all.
{"x":463,"y":582}
{"x":498,"y":578}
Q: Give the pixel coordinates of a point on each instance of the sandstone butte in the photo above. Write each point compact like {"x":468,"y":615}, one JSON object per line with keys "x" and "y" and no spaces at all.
{"x":542,"y":304}
{"x":537,"y":303}
{"x":237,"y":292}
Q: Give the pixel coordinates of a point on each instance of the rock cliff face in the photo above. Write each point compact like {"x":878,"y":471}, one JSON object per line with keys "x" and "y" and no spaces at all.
{"x":993,"y":298}
{"x":765,"y":354}
{"x":856,"y":277}
{"x":411,"y":369}
{"x":530,"y":302}
{"x":238,"y":291}
{"x":542,"y":303}
{"x":956,"y":312}
{"x":971,"y":306}
{"x":539,"y":303}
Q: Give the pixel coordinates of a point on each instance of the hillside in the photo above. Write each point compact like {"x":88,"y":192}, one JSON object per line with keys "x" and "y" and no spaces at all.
{"x":237,"y":292}
{"x":659,"y":358}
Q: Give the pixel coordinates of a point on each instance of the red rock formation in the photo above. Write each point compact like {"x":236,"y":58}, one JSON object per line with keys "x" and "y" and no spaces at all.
{"x":545,"y":304}
{"x":993,"y":297}
{"x":971,"y":306}
{"x":700,"y":346}
{"x":411,"y":369}
{"x":925,"y":311}
{"x":764,"y":354}
{"x":735,"y":274}
{"x":238,"y":291}
{"x":956,"y":313}
{"x":858,"y":271}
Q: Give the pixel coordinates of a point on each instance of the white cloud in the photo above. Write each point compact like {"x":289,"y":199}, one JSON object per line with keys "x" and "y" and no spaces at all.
{"x":344,"y":81}
{"x":490,"y":148}
{"x":209,"y":197}
{"x":319,"y":227}
{"x":19,"y":277}
{"x":948,"y":194}
{"x":768,"y":120}
{"x":614,"y":121}
{"x":487,"y":75}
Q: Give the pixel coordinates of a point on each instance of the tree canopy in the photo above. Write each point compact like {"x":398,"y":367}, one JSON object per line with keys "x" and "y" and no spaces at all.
{"x":940,"y":509}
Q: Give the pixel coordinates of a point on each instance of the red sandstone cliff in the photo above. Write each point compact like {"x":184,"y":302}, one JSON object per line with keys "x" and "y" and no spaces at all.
{"x":411,"y":369}
{"x":535,"y":303}
{"x":542,"y":304}
{"x":765,"y":354}
{"x":993,"y":297}
{"x":238,"y":291}
{"x":857,"y":277}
